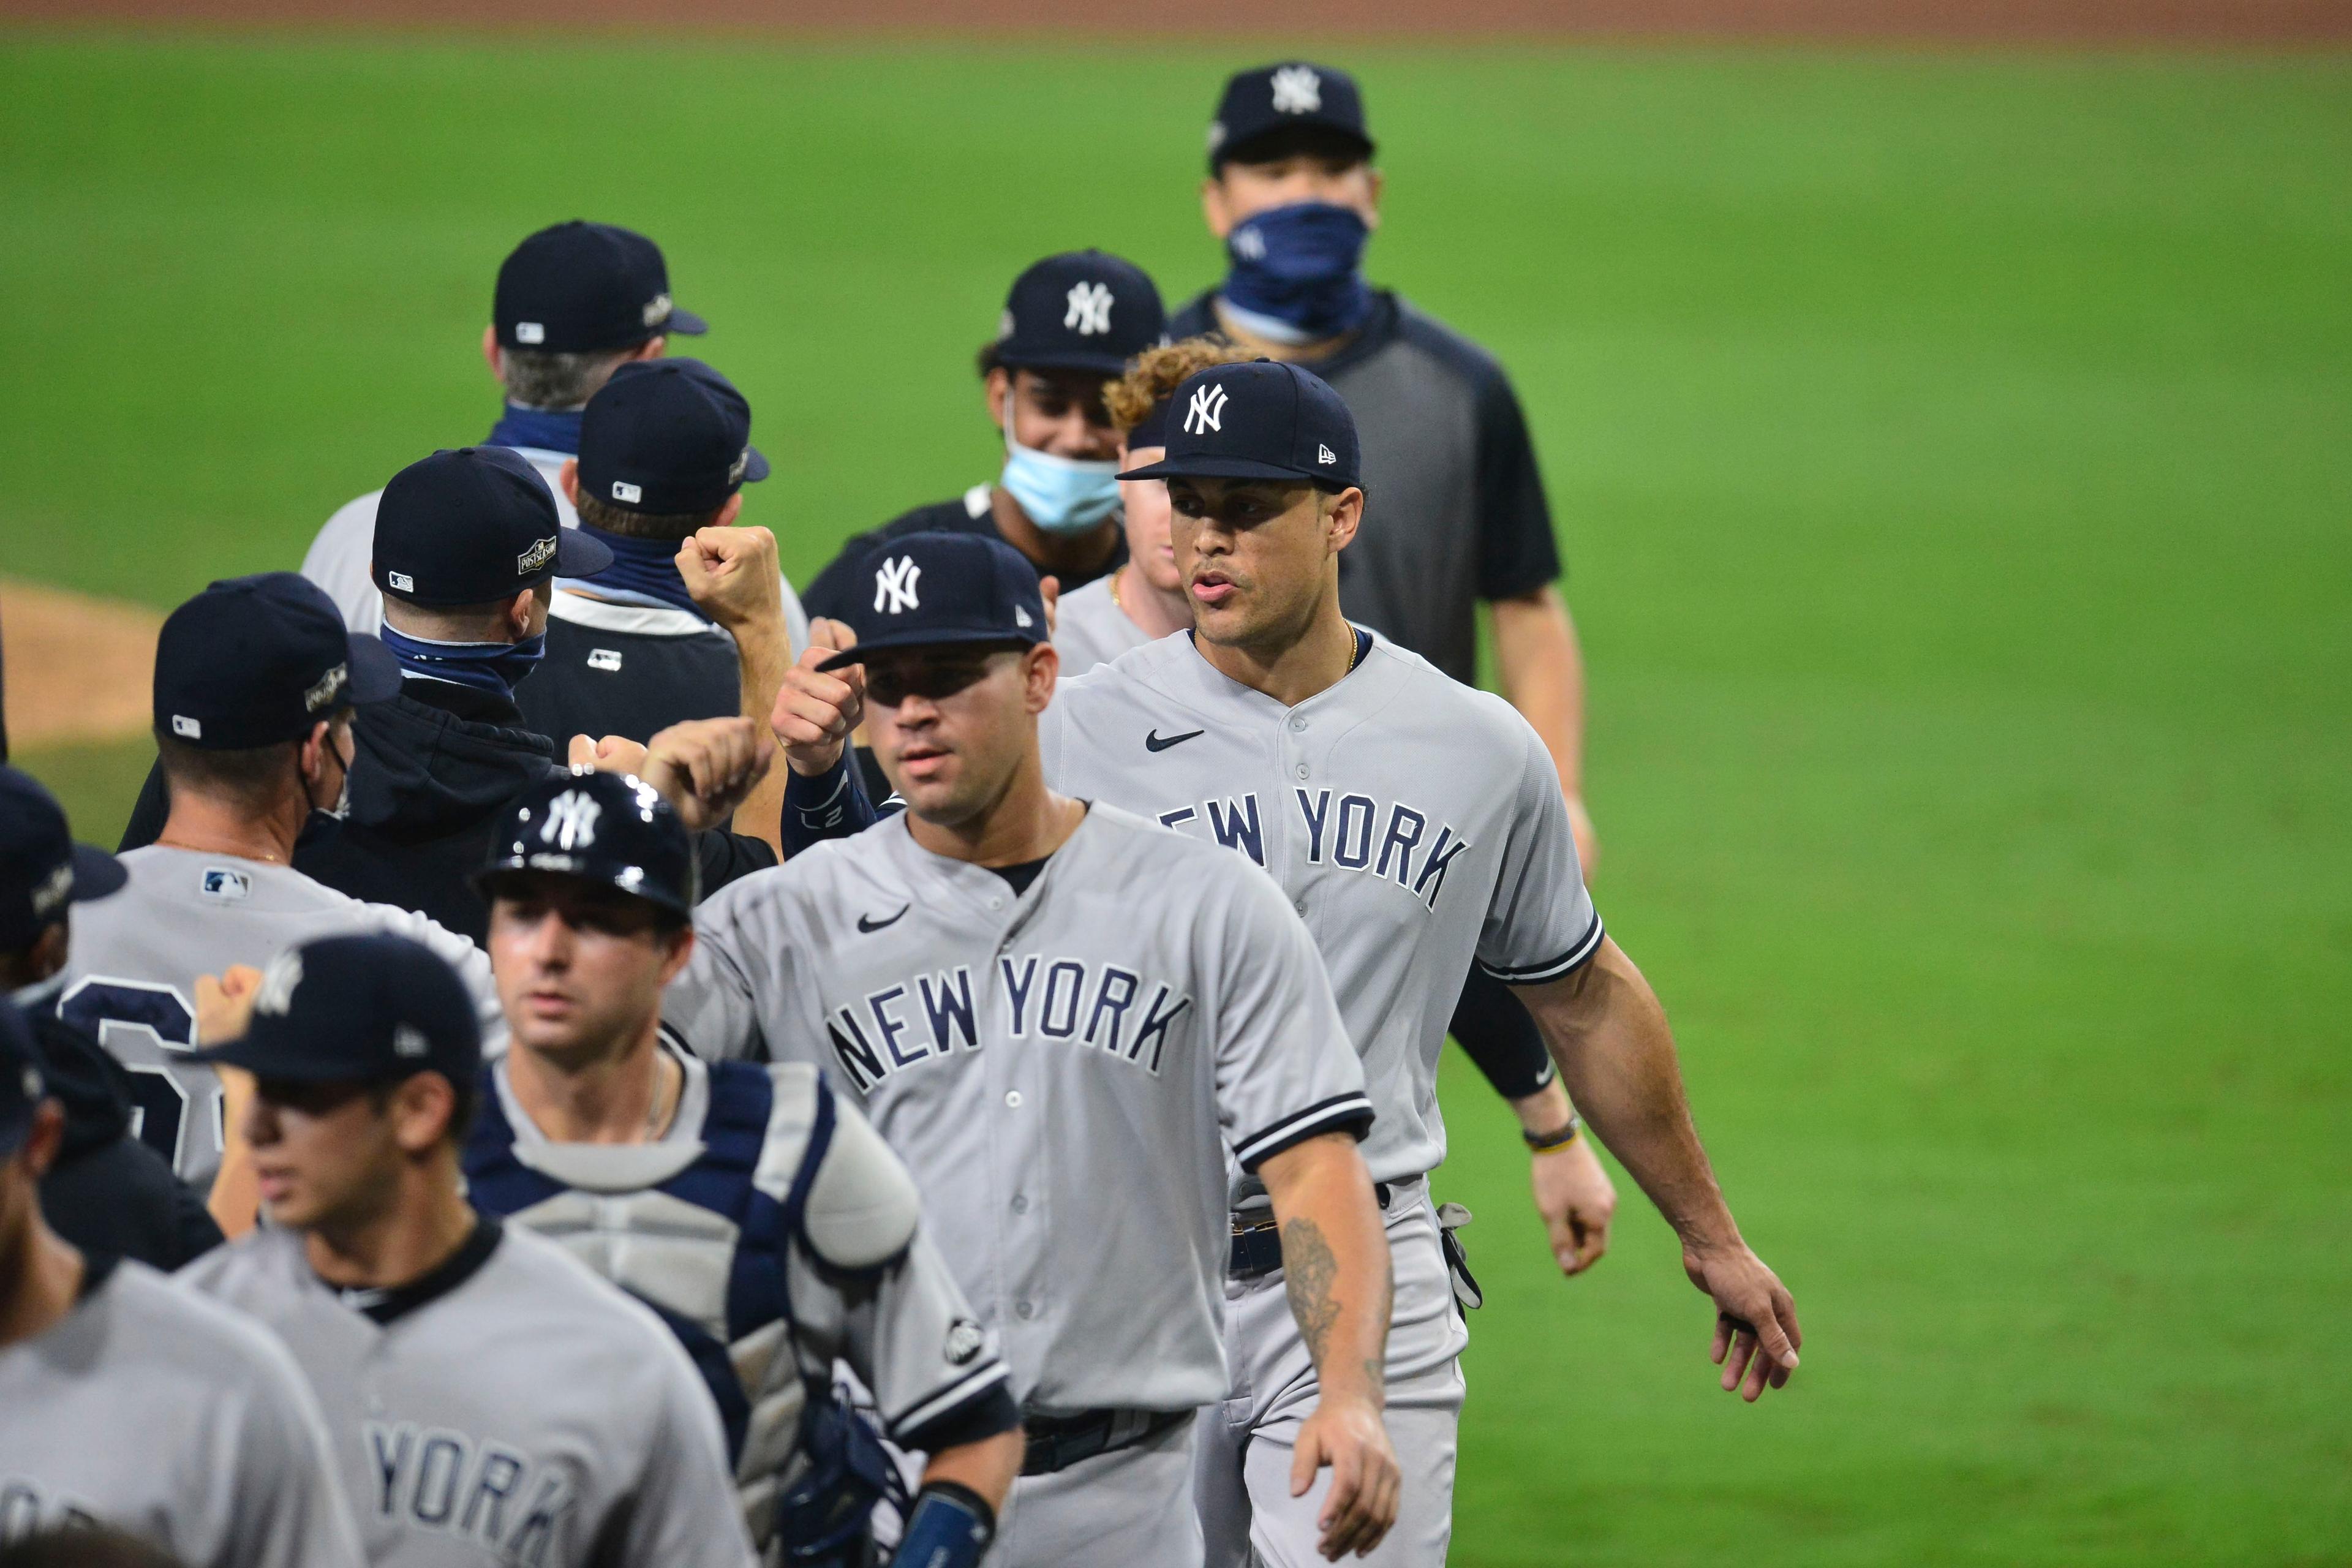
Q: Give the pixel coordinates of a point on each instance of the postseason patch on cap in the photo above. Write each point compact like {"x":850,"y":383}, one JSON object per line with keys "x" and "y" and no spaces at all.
{"x":537,"y":556}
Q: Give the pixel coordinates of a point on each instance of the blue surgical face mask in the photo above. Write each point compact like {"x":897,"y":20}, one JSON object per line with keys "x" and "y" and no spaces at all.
{"x":1294,"y":276}
{"x":1060,"y":495}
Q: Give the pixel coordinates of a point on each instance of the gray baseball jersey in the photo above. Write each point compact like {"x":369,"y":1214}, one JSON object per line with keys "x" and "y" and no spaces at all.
{"x":152,"y":1410}
{"x":1089,"y":629}
{"x":691,"y":1223}
{"x":339,"y":559}
{"x":1412,"y":821}
{"x":511,"y":1410}
{"x":130,"y":977}
{"x":1064,"y":1069}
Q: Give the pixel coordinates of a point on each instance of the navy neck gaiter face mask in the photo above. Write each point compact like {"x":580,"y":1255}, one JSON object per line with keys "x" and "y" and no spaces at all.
{"x":1294,"y":277}
{"x":541,"y":430}
{"x":491,"y":666}
{"x":644,"y":572}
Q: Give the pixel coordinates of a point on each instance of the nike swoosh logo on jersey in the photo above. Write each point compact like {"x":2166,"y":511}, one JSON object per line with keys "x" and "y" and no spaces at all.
{"x":1155,"y":741}
{"x":869,"y":925}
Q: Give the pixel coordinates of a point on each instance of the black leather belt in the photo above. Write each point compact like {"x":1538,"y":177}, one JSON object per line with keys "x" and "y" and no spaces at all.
{"x":1057,"y":1442}
{"x":1257,"y":1241}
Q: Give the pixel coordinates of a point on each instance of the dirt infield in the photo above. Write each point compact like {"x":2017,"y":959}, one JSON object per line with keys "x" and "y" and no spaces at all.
{"x":2259,"y":22}
{"x":78,"y":669}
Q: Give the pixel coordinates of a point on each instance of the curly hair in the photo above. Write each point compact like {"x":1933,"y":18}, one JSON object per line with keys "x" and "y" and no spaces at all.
{"x":1156,"y":373}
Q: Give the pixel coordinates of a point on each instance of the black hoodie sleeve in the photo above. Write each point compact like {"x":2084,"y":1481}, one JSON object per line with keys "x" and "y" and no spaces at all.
{"x":723,"y":857}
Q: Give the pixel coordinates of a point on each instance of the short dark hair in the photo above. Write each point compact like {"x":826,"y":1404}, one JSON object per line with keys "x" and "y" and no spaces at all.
{"x":246,"y":775}
{"x":662,"y":525}
{"x":536,"y":378}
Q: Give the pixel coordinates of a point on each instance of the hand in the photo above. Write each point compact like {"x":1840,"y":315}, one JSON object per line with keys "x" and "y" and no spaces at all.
{"x":818,"y":710}
{"x":731,"y":574}
{"x":1577,"y":1201}
{"x":1756,"y":1332}
{"x":1049,"y":588}
{"x":705,"y":767}
{"x":224,"y":1007}
{"x":1588,"y":842}
{"x":1349,"y":1436}
{"x":613,"y":754}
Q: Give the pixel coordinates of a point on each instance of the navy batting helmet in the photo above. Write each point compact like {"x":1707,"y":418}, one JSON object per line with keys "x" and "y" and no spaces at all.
{"x":612,"y":828}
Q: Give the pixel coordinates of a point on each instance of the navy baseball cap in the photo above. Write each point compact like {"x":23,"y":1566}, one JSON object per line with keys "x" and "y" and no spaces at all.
{"x":42,"y":869}
{"x":612,"y":828}
{"x":1293,"y":95}
{"x":357,"y":1009}
{"x":934,"y":588}
{"x":1258,"y":421}
{"x":254,"y":661}
{"x":21,"y":1088}
{"x":668,"y":436}
{"x":580,"y":287}
{"x":472,"y":525}
{"x":1083,"y":310}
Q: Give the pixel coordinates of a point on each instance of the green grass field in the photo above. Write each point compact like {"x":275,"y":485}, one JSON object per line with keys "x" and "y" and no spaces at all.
{"x":1951,"y":456}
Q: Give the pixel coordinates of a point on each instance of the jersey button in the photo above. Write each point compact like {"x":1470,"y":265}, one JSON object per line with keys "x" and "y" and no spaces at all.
{"x":1300,"y":906}
{"x":1020,"y":1203}
{"x":1024,"y":1310}
{"x":1297,"y":723}
{"x":1304,"y":770}
{"x":1013,"y":1100}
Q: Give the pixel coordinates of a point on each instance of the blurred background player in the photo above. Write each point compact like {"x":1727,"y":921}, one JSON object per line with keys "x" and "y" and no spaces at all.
{"x":1144,"y":600}
{"x":126,"y":1400}
{"x":256,"y":685}
{"x":574,"y":303}
{"x":1456,"y":512}
{"x":732,"y":1197}
{"x":489,"y":1399}
{"x":1070,"y":1067}
{"x":689,"y":620}
{"x":1070,"y":322}
{"x":105,"y":1192}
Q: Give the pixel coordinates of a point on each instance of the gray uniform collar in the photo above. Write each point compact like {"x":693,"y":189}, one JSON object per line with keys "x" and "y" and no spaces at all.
{"x":614,"y":1167}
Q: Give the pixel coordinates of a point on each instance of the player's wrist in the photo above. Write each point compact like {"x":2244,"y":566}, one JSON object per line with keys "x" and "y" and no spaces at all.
{"x":1552,"y":1140}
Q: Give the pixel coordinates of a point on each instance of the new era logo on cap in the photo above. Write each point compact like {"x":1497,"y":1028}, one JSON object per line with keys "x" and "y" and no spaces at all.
{"x":1324,"y":454}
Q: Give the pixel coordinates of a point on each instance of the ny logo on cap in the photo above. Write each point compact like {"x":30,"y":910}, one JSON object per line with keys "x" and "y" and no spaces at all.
{"x":570,"y":821}
{"x":894,"y":586}
{"x":1090,"y":309}
{"x":1206,"y":412}
{"x":1297,"y":90}
{"x":537,"y":556}
{"x":277,"y":984}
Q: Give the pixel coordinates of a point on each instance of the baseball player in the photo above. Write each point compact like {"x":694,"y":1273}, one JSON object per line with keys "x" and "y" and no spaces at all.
{"x":1070,"y":321}
{"x":105,"y":1191}
{"x":1415,"y":824}
{"x":738,"y":1199}
{"x":1457,"y":514}
{"x":126,"y":1400}
{"x":1067,"y":1065}
{"x":490,"y":1400}
{"x":255,"y":684}
{"x":574,"y":303}
{"x":1144,"y":599}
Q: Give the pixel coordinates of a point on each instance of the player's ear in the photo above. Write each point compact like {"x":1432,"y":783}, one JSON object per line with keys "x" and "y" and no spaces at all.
{"x":423,"y":1110}
{"x":492,"y":355}
{"x":1346,"y":515}
{"x":1214,"y":210}
{"x":570,"y":479}
{"x":999,"y":386}
{"x":729,"y":512}
{"x":1378,"y":183}
{"x":681,"y":949}
{"x":47,"y":1135}
{"x":1043,"y":669}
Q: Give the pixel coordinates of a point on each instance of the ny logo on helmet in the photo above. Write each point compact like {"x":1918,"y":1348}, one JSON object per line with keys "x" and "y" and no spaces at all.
{"x":1089,"y":310}
{"x":894,"y":586}
{"x":1206,"y":412}
{"x":570,"y":820}
{"x":1297,"y":90}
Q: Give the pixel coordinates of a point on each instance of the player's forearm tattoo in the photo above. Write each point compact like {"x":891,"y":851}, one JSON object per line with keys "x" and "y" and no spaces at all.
{"x":1308,"y":1272}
